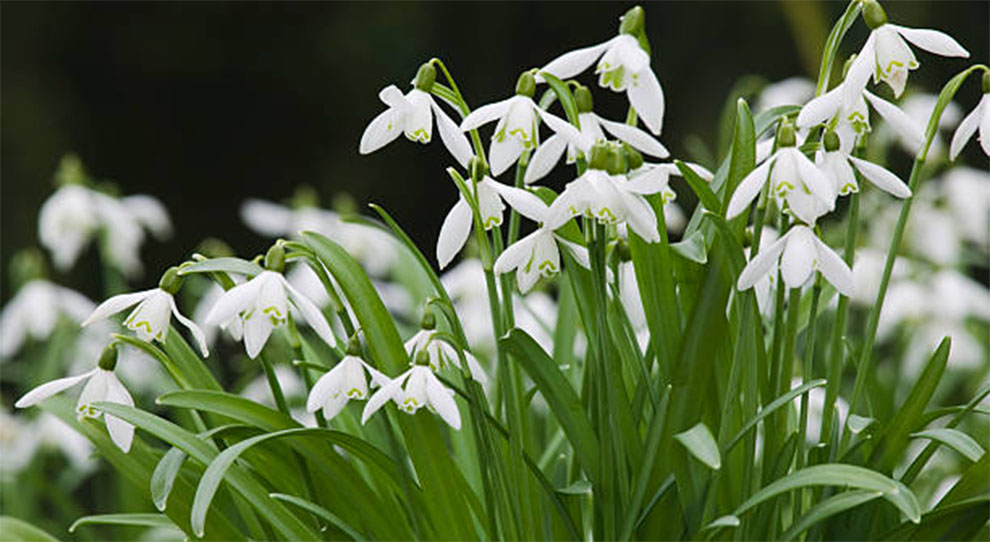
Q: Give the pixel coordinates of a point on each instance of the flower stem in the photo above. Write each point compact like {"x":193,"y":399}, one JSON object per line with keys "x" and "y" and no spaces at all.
{"x":276,"y":388}
{"x":479,"y":150}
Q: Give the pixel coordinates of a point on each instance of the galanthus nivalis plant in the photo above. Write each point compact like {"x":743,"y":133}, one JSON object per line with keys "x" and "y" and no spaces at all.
{"x":596,"y":362}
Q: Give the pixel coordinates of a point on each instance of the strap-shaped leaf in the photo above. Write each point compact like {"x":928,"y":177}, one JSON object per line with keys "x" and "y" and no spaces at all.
{"x":829,"y":507}
{"x":138,"y":520}
{"x":955,"y":439}
{"x":225,"y":265}
{"x":699,"y":441}
{"x":320,"y":512}
{"x":17,"y":529}
{"x":163,"y":478}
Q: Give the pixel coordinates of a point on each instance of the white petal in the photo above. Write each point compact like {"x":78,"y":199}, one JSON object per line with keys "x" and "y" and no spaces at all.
{"x":906,"y":127}
{"x":150,"y":213}
{"x":392,"y":97}
{"x":454,"y":232}
{"x":545,"y":158}
{"x":820,"y":109}
{"x":485,"y":114}
{"x":314,"y":317}
{"x":985,"y":125}
{"x":257,"y":328}
{"x":267,"y":218}
{"x":503,"y":154}
{"x":932,"y":41}
{"x":334,"y":405}
{"x":640,"y":217}
{"x":477,"y":371}
{"x":121,"y":432}
{"x":523,"y":201}
{"x":453,"y":138}
{"x":561,"y":126}
{"x":646,"y":96}
{"x":579,"y":253}
{"x":966,"y":130}
{"x":815,"y":180}
{"x":381,"y":131}
{"x":116,"y":304}
{"x":834,"y":269}
{"x":526,"y":278}
{"x":883,"y":179}
{"x":49,"y":389}
{"x":516,"y":254}
{"x":650,"y":178}
{"x":382,"y":396}
{"x":749,"y":188}
{"x":860,"y":71}
{"x":232,"y":302}
{"x":441,"y":401}
{"x":761,"y":264}
{"x":193,"y":328}
{"x":570,"y":64}
{"x":322,"y":390}
{"x":638,"y":139}
{"x":798,"y":259}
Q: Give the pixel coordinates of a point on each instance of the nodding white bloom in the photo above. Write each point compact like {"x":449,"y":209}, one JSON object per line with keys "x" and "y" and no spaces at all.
{"x":412,"y":114}
{"x":978,"y":118}
{"x":794,"y":179}
{"x":101,"y":385}
{"x":800,"y":253}
{"x":623,"y":66}
{"x":518,"y":125}
{"x":153,"y":315}
{"x":887,"y":57}
{"x":422,"y":388}
{"x":34,"y":310}
{"x":536,"y":254}
{"x":611,"y":199}
{"x":439,"y":353}
{"x":838,"y":168}
{"x":344,"y":382}
{"x":262,"y":304}
{"x":790,"y":91}
{"x":457,"y":226}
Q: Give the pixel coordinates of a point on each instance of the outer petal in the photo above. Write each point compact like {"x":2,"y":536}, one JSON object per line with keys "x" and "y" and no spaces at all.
{"x":232,"y":302}
{"x":570,"y":64}
{"x":477,"y":371}
{"x":516,"y":254}
{"x":560,"y":126}
{"x":798,"y":259}
{"x":442,"y":401}
{"x":883,"y":179}
{"x":966,"y":129}
{"x":525,"y":202}
{"x":257,"y":329}
{"x":453,"y":138}
{"x":121,"y":432}
{"x":310,"y":312}
{"x":640,"y":216}
{"x":49,"y":389}
{"x":650,"y":179}
{"x":150,"y":213}
{"x":815,"y":180}
{"x":526,"y":277}
{"x":392,"y":97}
{"x":906,"y":127}
{"x":985,"y":125}
{"x":635,"y":137}
{"x":116,"y":304}
{"x":860,"y":71}
{"x":834,"y":269}
{"x":749,"y":188}
{"x":646,"y":96}
{"x":267,"y":218}
{"x":383,"y":395}
{"x":485,"y":114}
{"x":545,"y":158}
{"x":503,"y":154}
{"x":454,"y":232}
{"x":932,"y":41}
{"x":381,"y":131}
{"x":761,"y":264}
{"x":322,"y":390}
{"x":821,"y":108}
{"x":193,"y":328}
{"x":579,"y":252}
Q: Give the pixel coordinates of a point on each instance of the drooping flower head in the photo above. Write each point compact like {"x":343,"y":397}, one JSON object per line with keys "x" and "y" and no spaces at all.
{"x":458,"y":224}
{"x":414,"y":389}
{"x":799,"y":252}
{"x":978,"y":118}
{"x":838,"y":167}
{"x":344,"y":382}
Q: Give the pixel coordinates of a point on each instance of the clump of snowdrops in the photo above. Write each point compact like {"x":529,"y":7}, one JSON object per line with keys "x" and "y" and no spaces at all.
{"x":586,"y":376}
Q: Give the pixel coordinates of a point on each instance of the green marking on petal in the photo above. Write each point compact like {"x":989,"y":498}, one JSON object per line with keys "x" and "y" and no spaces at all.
{"x":355,"y":393}
{"x":142,"y":324}
{"x":783,"y":186}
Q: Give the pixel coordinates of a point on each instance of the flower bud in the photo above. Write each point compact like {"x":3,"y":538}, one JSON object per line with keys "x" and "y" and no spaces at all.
{"x":582,"y":95}
{"x":429,"y":322}
{"x":354,"y":346}
{"x":831,"y":141}
{"x":422,"y":358}
{"x":616,"y":163}
{"x":634,"y":158}
{"x":874,"y":15}
{"x":275,"y":258}
{"x":211,"y":247}
{"x":598,"y":157}
{"x":171,"y":281}
{"x":785,"y":134}
{"x":633,"y":22}
{"x":344,"y":204}
{"x":27,"y":265}
{"x":477,"y":168}
{"x":526,"y":85}
{"x":425,"y":77}
{"x":986,"y":82}
{"x":108,"y":359}
{"x":70,"y":171}
{"x":305,"y":196}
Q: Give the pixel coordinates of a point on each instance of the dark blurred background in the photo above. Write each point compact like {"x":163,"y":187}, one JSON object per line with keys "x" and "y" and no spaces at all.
{"x":206,"y":104}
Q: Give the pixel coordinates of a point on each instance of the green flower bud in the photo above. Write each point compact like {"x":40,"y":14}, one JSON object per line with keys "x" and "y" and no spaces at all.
{"x":583,"y":98}
{"x":633,"y":22}
{"x":429,"y":322}
{"x":344,"y":203}
{"x":598,"y":158}
{"x":275,"y":258}
{"x":616,"y":163}
{"x":831,"y":141}
{"x":27,"y":265}
{"x":422,"y":358}
{"x":986,"y":82}
{"x":477,"y":168}
{"x":354,"y":346}
{"x":633,"y":157}
{"x":425,"y":77}
{"x":526,"y":85}
{"x":786,"y":137}
{"x":171,"y":281}
{"x":70,"y":171}
{"x":108,"y":359}
{"x":305,"y":196}
{"x":211,"y":247}
{"x":874,"y":15}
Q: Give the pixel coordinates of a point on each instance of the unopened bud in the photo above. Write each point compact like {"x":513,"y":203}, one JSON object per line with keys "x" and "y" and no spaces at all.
{"x":526,"y":85}
{"x":785,"y":134}
{"x":108,"y":359}
{"x":874,"y":15}
{"x":275,"y":258}
{"x":583,"y":98}
{"x":70,"y":171}
{"x":171,"y":281}
{"x":211,"y":247}
{"x":429,"y":322}
{"x":305,"y":196}
{"x":633,"y":22}
{"x":831,"y":141}
{"x":425,"y":77}
{"x":27,"y":265}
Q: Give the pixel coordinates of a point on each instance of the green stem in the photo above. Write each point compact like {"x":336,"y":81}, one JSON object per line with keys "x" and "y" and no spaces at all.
{"x":479,"y":150}
{"x":806,"y":370}
{"x":276,"y":388}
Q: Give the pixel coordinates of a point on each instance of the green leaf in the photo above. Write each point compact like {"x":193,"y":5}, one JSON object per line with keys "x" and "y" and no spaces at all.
{"x":962,"y":520}
{"x":743,"y":152}
{"x":226,"y":265}
{"x":701,"y":189}
{"x":700,"y":442}
{"x":163,"y":478}
{"x":724,"y":521}
{"x":559,"y":394}
{"x":771,"y":408}
{"x":17,"y":529}
{"x":829,"y":507}
{"x":692,"y":248}
{"x":564,"y":96}
{"x":138,"y":520}
{"x":320,"y":512}
{"x":955,"y":439}
{"x":831,"y":47}
{"x":842,"y":475}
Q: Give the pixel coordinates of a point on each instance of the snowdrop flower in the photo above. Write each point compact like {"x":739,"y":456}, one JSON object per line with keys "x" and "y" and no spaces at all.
{"x":439,"y":352}
{"x":978,"y":118}
{"x":794,"y":179}
{"x":155,"y":307}
{"x":518,"y":125}
{"x":101,"y":385}
{"x":412,"y":114}
{"x":790,"y":91}
{"x":536,"y":254}
{"x":549,"y":152}
{"x":422,"y":388}
{"x":800,"y":253}
{"x":967,"y":191}
{"x":34,"y":310}
{"x":18,"y":444}
{"x":344,"y":382}
{"x":262,"y":304}
{"x":838,"y":167}
{"x":623,"y":66}
{"x":457,"y":225}
{"x":66,"y":223}
{"x":888,"y":58}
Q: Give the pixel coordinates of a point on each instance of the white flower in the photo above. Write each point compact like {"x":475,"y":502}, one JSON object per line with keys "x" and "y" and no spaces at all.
{"x":887,"y":57}
{"x":624,"y":67}
{"x":790,"y":91}
{"x":262,"y":303}
{"x":809,"y":194}
{"x":612,"y":199}
{"x":457,"y":226}
{"x":152,"y":317}
{"x":412,"y":114}
{"x":978,"y":118}
{"x":34,"y":311}
{"x":517,"y":129}
{"x":18,"y":442}
{"x":66,"y":223}
{"x":101,"y":385}
{"x":338,"y":385}
{"x":800,"y":253}
{"x":838,"y":167}
{"x":439,"y":353}
{"x":549,"y":152}
{"x":967,"y":191}
{"x":422,"y":388}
